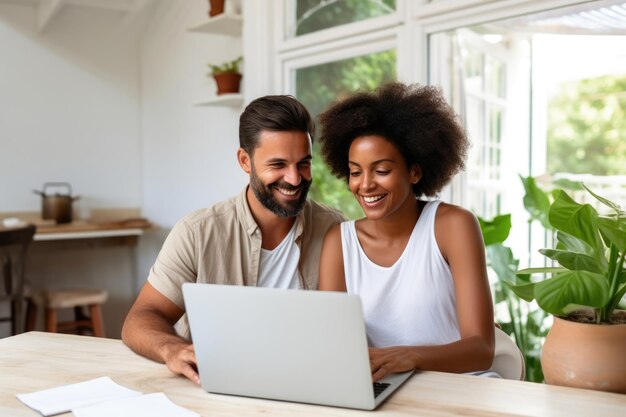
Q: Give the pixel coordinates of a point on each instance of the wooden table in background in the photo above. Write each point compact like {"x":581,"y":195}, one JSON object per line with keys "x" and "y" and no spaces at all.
{"x":82,"y":229}
{"x":82,"y":233}
{"x":35,"y":361}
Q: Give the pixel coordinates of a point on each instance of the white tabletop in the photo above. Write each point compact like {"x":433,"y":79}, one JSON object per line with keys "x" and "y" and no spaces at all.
{"x":35,"y":361}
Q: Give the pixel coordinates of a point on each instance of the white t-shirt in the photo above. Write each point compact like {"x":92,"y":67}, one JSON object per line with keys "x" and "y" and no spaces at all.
{"x":278,"y":268}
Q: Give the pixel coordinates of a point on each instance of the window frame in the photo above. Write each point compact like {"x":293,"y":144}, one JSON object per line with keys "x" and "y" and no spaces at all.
{"x":336,"y":43}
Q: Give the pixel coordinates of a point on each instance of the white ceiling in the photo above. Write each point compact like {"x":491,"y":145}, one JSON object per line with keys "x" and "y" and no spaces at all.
{"x":48,"y":9}
{"x":606,"y":17}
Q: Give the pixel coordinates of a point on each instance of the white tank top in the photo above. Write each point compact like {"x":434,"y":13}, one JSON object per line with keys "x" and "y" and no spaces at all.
{"x":411,"y":302}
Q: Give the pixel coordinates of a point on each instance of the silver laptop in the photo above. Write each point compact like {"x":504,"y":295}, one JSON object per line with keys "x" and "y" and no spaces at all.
{"x":301,"y":346}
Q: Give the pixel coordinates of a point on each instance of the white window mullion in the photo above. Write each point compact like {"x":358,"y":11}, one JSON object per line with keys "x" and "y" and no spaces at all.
{"x":345,"y":45}
{"x":340,"y":32}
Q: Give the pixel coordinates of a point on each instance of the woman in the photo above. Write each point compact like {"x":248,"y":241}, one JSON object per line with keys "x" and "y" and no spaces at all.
{"x":418,"y":266}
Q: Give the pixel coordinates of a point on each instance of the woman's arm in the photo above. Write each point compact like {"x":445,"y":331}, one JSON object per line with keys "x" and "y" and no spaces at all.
{"x":332,"y":276}
{"x":460,"y":241}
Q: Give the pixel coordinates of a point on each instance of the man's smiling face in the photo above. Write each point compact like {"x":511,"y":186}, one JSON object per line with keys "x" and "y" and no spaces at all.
{"x":280,"y":175}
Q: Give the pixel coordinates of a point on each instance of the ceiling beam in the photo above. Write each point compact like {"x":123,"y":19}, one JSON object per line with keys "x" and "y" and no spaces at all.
{"x":46,"y":10}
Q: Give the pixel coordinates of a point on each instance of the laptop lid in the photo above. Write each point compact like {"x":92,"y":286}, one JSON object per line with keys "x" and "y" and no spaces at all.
{"x":302,"y":346}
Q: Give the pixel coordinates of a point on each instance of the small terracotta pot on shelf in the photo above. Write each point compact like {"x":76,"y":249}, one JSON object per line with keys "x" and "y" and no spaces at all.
{"x":216,"y":7}
{"x":227,"y":82}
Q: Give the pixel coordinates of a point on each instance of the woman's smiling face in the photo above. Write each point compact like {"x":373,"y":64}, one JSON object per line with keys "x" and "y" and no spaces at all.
{"x":379,"y":177}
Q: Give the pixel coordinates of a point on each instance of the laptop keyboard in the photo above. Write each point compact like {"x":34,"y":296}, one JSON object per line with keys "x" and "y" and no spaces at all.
{"x":379,"y":387}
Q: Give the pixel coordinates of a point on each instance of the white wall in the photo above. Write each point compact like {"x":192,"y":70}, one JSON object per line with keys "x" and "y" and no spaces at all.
{"x":189,"y":153}
{"x":106,"y":104}
{"x":69,"y":108}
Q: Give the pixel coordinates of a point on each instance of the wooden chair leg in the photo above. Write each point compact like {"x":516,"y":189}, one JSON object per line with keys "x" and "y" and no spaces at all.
{"x":51,"y":320}
{"x":80,"y":317}
{"x":96,"y":319}
{"x":14,"y":319}
{"x":17,"y":316}
{"x":31,"y":315}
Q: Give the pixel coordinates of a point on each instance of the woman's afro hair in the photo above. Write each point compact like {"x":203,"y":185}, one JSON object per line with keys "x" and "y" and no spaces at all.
{"x":415,"y":118}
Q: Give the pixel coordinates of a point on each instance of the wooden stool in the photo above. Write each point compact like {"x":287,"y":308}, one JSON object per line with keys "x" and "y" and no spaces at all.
{"x":52,"y":300}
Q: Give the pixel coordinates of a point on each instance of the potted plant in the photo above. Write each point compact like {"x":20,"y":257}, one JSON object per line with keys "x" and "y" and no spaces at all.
{"x":227,"y":76}
{"x":586,"y":345}
{"x":216,"y":7}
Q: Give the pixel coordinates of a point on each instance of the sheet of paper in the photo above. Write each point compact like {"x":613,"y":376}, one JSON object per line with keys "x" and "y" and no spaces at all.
{"x":148,"y":405}
{"x":67,"y":397}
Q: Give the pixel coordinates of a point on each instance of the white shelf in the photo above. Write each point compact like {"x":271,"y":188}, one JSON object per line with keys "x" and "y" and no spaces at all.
{"x":225,"y":24}
{"x":233,"y":100}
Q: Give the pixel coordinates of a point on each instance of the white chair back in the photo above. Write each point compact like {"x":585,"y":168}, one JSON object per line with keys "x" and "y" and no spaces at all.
{"x":508,"y":360}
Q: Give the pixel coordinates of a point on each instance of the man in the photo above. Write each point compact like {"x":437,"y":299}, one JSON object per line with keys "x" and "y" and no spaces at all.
{"x":269,"y":236}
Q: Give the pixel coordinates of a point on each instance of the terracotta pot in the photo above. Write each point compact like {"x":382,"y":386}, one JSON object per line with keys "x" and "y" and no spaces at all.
{"x":227,"y":82}
{"x":216,"y":7}
{"x":585,"y":355}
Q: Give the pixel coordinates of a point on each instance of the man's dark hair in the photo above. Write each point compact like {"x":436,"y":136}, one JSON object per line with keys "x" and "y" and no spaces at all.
{"x":415,"y":118}
{"x":275,"y":114}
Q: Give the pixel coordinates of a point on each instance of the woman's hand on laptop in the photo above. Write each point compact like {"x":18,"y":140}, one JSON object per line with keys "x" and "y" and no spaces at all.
{"x":181,"y":360}
{"x":391,"y":360}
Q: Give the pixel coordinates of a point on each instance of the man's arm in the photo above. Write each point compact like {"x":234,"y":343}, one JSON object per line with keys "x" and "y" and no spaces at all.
{"x":332,"y":275}
{"x":149,"y":331}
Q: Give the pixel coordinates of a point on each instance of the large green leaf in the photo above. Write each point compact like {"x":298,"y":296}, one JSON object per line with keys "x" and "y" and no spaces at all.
{"x":578,"y":220}
{"x":523,"y":291}
{"x":615,"y":231}
{"x":495,"y":230}
{"x":604,"y":201}
{"x":573,"y":244}
{"x":573,"y":261}
{"x":536,"y":201}
{"x":584,"y":288}
{"x":502,"y":262}
{"x":499,"y":294}
{"x":568,"y":184}
{"x":522,"y":278}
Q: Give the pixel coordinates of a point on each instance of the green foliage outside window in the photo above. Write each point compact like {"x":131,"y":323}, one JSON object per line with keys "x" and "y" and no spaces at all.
{"x":314,"y":15}
{"x":320,"y":85}
{"x":587,"y":127}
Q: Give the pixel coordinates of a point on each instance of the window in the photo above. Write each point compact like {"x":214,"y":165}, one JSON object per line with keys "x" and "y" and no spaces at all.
{"x":532,"y":106}
{"x":314,"y":15}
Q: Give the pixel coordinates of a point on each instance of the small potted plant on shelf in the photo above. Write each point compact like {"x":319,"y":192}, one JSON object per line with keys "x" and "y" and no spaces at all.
{"x":227,"y":76}
{"x":586,"y":344}
{"x":216,"y":7}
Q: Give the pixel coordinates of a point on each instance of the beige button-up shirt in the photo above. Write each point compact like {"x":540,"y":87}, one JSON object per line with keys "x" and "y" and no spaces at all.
{"x":222,"y":245}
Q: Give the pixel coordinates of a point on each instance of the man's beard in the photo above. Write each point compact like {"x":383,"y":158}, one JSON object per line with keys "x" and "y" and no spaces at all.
{"x":263,"y":193}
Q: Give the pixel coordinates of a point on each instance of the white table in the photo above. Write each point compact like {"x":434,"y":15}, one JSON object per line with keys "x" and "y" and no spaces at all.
{"x":35,"y":361}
